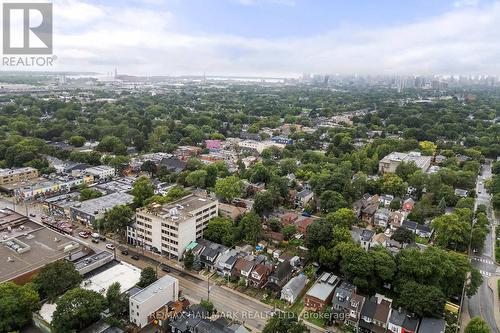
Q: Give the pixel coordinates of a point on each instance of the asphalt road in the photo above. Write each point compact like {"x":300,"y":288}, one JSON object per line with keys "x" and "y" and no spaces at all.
{"x":481,"y":304}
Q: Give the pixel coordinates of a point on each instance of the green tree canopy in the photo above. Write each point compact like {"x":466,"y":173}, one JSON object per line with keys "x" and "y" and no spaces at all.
{"x":56,"y":278}
{"x":77,"y":309}
{"x":16,"y":305}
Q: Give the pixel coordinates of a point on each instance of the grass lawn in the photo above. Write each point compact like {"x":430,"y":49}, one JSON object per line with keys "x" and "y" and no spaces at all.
{"x":314,"y":318}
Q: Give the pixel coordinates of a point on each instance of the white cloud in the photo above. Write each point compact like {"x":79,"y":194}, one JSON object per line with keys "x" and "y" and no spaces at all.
{"x":141,"y":41}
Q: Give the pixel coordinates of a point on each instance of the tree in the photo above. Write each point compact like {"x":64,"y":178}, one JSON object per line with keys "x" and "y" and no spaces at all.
{"x":477,"y":325}
{"x":142,"y":189}
{"x":344,"y":217}
{"x":220,"y":230}
{"x":149,"y":166}
{"x":451,"y":231}
{"x":89,"y":193}
{"x":118,"y":218}
{"x":405,"y":170}
{"x":331,"y":201}
{"x":116,"y":301}
{"x":403,"y":236}
{"x":355,"y":263}
{"x":285,"y":322}
{"x":188,"y":259}
{"x":148,"y":276}
{"x":55,"y":278}
{"x":421,"y":299}
{"x":77,"y":309}
{"x":208,"y":306}
{"x":289,"y":230}
{"x":77,"y":141}
{"x":275,"y":225}
{"x":112,"y":144}
{"x":263,"y":203}
{"x":393,"y":184}
{"x":16,"y":305}
{"x":250,"y":228}
{"x":197,"y":178}
{"x":228,"y":188}
{"x":495,"y":200}
{"x":465,"y":203}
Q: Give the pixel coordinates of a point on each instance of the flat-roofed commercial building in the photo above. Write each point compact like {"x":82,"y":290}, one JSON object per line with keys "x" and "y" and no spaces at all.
{"x":390,"y":162}
{"x":88,"y":211}
{"x":169,"y":228}
{"x":26,"y":246}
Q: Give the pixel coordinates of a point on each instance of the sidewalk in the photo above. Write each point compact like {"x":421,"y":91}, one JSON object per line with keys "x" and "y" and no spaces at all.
{"x":465,"y":316}
{"x":493,"y":285}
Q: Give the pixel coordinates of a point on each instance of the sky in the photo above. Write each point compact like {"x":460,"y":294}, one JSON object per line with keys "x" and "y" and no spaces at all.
{"x":278,"y":38}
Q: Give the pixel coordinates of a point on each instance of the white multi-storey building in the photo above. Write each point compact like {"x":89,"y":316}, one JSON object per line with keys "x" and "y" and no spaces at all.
{"x":143,"y":303}
{"x":169,"y":228}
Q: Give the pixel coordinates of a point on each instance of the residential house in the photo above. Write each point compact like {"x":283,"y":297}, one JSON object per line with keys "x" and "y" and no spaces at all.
{"x":242,"y":268}
{"x":423,"y":230}
{"x":259,"y":275}
{"x":173,"y":164}
{"x":226,"y":262}
{"x":231,"y":211}
{"x":354,"y":310}
{"x":381,"y":217}
{"x":432,"y":325}
{"x":302,"y":224}
{"x":292,"y":290}
{"x":395,"y":220}
{"x":410,"y":225}
{"x":365,"y":323}
{"x":303,"y":197}
{"x":280,"y":276}
{"x":289,"y":218}
{"x":408,"y":205}
{"x":402,"y":322}
{"x":386,"y":199}
{"x":341,"y":300}
{"x":461,"y":193}
{"x":321,"y":293}
{"x":366,"y":207}
{"x":382,"y":313}
{"x":380,"y":239}
{"x":274,"y":236}
{"x":366,"y":238}
{"x":375,"y":314}
{"x":210,"y":254}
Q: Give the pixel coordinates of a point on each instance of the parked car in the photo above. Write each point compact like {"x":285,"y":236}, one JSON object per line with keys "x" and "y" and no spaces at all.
{"x":135,"y":257}
{"x":165,"y":268}
{"x":83,"y":234}
{"x":101,"y":237}
{"x":95,"y":240}
{"x":32,"y":215}
{"x":110,"y":246}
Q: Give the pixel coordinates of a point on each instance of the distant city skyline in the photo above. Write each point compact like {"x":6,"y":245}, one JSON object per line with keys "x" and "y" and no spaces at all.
{"x":278,"y":38}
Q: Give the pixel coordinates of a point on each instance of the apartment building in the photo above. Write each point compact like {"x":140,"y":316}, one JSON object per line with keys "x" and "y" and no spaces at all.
{"x":169,"y":228}
{"x":15,"y":175}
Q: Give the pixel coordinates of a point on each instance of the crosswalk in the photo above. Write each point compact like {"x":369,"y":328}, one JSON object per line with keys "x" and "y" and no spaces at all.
{"x":485,"y":273}
{"x":485,"y":261}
